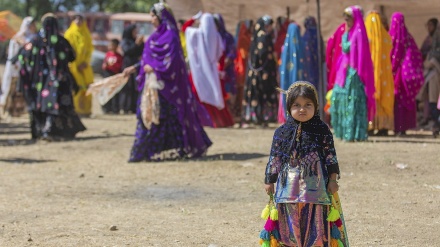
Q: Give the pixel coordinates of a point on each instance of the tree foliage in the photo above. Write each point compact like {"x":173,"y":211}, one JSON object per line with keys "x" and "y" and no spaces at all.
{"x":37,"y":8}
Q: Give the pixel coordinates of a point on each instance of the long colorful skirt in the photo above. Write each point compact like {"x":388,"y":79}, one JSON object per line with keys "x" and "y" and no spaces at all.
{"x":404,"y":118}
{"x":305,"y":225}
{"x":163,"y":141}
{"x":220,"y":118}
{"x":65,"y":125}
{"x":349,"y":109}
{"x":15,"y":103}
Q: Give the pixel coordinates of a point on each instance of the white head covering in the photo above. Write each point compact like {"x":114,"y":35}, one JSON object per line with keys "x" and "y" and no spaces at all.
{"x":20,"y":38}
{"x":24,"y":34}
{"x":205,"y":47}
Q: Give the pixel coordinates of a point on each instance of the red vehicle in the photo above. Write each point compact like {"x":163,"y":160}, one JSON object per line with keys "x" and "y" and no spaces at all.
{"x":104,"y":27}
{"x":98,"y":23}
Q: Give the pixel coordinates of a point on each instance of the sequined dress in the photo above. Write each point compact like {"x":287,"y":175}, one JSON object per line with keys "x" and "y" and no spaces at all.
{"x":301,"y":159}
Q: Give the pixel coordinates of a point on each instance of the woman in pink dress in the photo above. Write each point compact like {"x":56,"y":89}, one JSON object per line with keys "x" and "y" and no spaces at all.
{"x":407,"y":65}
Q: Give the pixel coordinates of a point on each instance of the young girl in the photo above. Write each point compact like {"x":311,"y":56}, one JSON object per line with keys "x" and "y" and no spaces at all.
{"x":303,"y":163}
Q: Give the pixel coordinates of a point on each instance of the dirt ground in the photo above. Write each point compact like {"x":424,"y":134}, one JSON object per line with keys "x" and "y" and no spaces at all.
{"x":71,"y":193}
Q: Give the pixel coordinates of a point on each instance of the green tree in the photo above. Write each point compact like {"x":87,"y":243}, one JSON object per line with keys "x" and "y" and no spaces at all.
{"x":117,"y":6}
{"x":37,"y":8}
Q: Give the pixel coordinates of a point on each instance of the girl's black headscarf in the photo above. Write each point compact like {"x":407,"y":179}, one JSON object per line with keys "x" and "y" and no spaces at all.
{"x":304,"y":137}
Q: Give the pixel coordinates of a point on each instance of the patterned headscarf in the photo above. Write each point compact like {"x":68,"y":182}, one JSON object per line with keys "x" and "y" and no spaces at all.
{"x":304,"y":137}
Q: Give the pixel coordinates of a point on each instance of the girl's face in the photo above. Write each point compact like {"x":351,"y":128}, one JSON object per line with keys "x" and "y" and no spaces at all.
{"x":154,"y":19}
{"x":302,"y":109}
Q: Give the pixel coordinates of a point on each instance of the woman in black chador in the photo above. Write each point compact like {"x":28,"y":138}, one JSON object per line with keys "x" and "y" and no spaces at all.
{"x":47,"y":84}
{"x":260,"y":104}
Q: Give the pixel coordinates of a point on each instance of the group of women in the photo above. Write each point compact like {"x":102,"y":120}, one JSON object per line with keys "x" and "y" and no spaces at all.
{"x":43,"y":69}
{"x":198,"y":75}
{"x":376,"y":77}
{"x":237,"y":81}
{"x":221,"y":80}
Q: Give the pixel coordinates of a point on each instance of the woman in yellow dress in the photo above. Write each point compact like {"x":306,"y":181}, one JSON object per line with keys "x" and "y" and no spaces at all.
{"x":80,"y":39}
{"x":380,"y":47}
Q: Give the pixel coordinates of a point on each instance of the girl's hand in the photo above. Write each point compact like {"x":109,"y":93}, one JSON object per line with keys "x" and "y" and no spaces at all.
{"x":332,"y":186}
{"x":269,"y":189}
{"x":148,"y":69}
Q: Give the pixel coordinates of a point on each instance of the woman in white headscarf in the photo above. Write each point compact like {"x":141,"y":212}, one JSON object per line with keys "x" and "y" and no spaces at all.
{"x":205,"y":48}
{"x":10,"y":77}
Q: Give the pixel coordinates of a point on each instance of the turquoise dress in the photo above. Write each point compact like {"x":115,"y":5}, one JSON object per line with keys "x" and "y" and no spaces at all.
{"x":349,"y":105}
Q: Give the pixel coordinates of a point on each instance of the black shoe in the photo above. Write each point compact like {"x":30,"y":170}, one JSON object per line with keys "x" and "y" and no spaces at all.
{"x":401,"y":133}
{"x":382,"y":132}
{"x":46,"y":137}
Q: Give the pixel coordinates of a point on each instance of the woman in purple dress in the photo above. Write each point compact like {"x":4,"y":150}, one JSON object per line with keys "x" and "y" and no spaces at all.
{"x":176,"y":131}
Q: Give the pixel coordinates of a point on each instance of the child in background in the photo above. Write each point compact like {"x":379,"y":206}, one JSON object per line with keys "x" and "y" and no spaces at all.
{"x":303,"y":163}
{"x":112,"y":65}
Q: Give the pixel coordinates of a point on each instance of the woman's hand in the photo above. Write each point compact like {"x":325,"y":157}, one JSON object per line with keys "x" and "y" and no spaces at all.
{"x":198,"y":15}
{"x":129,"y":70}
{"x":428,"y":64}
{"x":139,"y":40}
{"x":269,"y":189}
{"x":332,"y":186}
{"x":222,"y":74}
{"x":82,"y":66}
{"x":148,"y":69}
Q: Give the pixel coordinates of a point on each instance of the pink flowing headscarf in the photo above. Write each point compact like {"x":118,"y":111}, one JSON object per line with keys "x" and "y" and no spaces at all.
{"x":333,"y":52}
{"x":359,"y":58}
{"x":407,"y":62}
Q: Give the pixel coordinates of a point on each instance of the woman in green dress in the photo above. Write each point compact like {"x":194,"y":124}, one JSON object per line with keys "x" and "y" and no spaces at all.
{"x":352,"y":101}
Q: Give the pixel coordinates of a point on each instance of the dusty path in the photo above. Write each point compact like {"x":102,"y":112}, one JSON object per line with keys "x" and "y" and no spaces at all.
{"x":70,"y":193}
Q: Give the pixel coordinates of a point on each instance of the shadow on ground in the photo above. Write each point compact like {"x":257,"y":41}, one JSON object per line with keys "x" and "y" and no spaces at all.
{"x":24,"y":161}
{"x":14,"y":128}
{"x":232,"y":156}
{"x":411,"y":138}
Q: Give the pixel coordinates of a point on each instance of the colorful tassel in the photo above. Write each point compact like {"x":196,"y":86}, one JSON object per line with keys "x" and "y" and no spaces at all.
{"x":273,"y":242}
{"x":276,"y":234}
{"x":265,"y":235}
{"x":334,"y":243}
{"x":333,"y":215}
{"x":266,"y":243}
{"x":340,"y":244}
{"x":261,"y":241}
{"x":335,"y":232}
{"x":270,"y":225}
{"x":338,"y":222}
{"x":274,"y":213}
{"x":265,"y":213}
